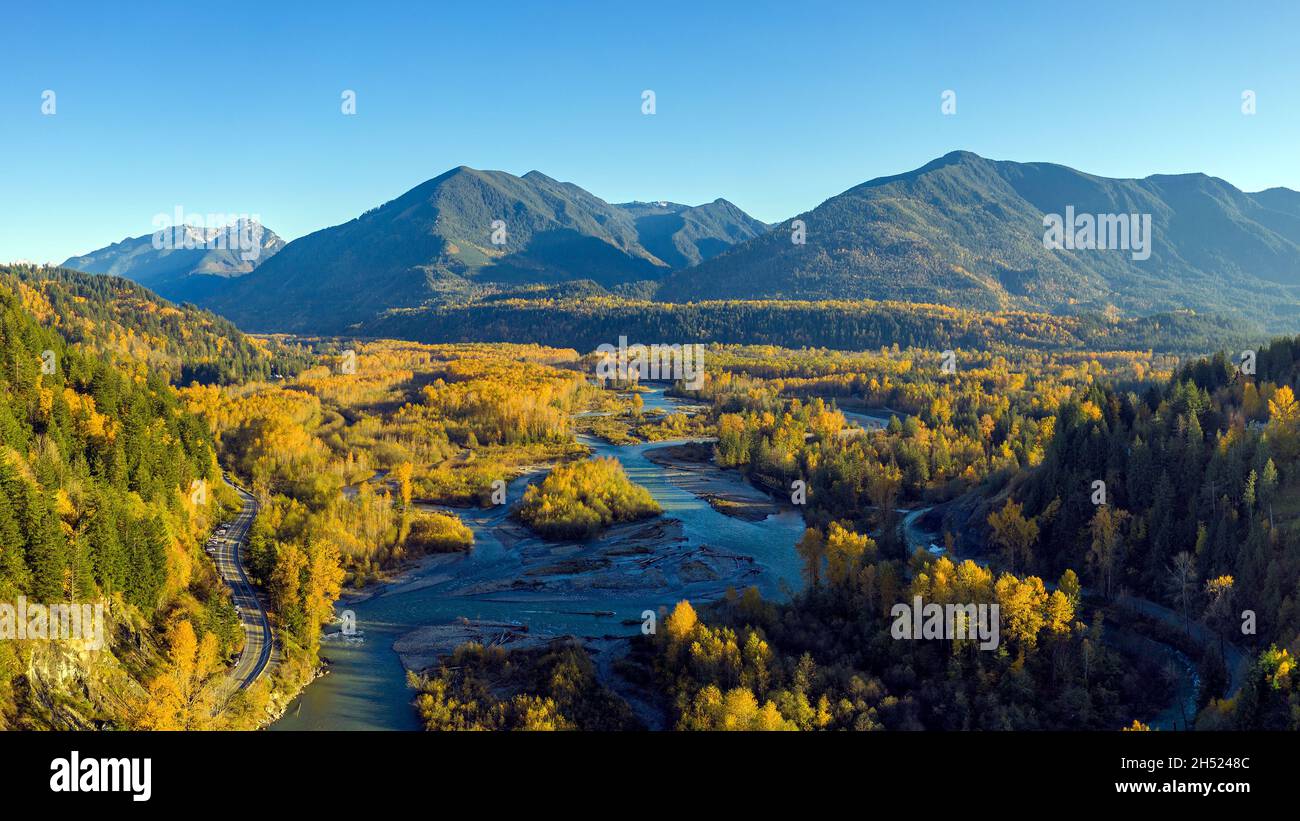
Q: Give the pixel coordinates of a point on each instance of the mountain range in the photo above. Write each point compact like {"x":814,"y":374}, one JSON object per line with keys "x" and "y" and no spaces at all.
{"x":469,"y":232}
{"x":968,"y":231}
{"x":962,"y":230}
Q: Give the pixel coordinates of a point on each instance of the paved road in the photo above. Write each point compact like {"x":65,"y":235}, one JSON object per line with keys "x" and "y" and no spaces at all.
{"x":258,"y":642}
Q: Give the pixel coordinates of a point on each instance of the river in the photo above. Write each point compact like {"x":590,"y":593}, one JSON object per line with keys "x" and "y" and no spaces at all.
{"x":366,"y":689}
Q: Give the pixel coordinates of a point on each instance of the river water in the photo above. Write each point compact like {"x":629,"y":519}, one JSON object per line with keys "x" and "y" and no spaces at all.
{"x":366,"y":689}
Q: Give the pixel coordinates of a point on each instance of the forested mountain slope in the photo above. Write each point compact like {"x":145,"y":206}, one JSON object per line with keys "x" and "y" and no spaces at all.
{"x":467,"y":230}
{"x":132,"y":324}
{"x":105,"y":487}
{"x":968,"y":231}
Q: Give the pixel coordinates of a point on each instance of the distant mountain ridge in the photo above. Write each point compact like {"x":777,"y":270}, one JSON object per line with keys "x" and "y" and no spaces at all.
{"x":684,"y":235}
{"x":191,"y":263}
{"x":968,"y":231}
{"x":468,"y":231}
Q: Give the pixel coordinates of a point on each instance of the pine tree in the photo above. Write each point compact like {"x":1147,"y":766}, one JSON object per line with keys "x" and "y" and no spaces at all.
{"x":13,"y":566}
{"x":83,"y":571}
{"x":107,"y":552}
{"x":46,"y":551}
{"x":156,"y":545}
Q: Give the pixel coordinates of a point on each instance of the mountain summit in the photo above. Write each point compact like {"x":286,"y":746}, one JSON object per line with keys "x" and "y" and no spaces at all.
{"x":185,"y":263}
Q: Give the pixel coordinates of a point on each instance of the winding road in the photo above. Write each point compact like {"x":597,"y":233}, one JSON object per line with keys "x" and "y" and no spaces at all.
{"x":258,"y":640}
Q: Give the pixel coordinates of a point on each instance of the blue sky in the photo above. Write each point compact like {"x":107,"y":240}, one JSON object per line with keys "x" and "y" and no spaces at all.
{"x":235,"y":108}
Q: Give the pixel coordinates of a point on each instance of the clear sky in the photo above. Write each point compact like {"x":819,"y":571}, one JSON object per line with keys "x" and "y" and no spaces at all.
{"x":234,"y":107}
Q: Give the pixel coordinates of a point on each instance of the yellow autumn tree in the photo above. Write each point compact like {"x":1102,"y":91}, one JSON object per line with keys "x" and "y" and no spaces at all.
{"x":324,"y":583}
{"x":844,"y":551}
{"x":1016,"y":534}
{"x":1283,"y":413}
{"x":402,"y":475}
{"x":183,"y":696}
{"x":1282,"y":408}
{"x":1060,"y":613}
{"x":1022,"y":605}
{"x":681,"y":622}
